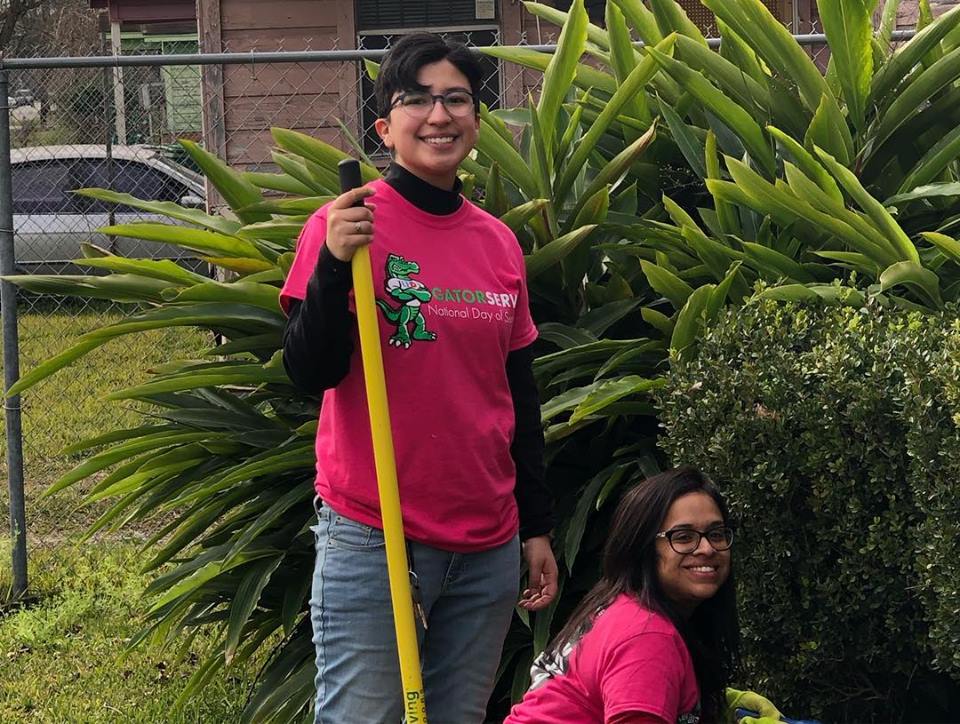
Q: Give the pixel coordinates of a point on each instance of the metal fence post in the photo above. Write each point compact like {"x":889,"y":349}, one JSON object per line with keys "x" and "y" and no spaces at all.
{"x":11,"y":355}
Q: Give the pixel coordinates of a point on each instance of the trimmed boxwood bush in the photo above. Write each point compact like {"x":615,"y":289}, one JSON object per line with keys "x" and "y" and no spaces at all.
{"x":833,"y":431}
{"x":932,"y":405}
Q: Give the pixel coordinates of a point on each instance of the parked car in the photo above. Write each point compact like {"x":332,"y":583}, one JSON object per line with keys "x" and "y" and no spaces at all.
{"x":50,"y":222}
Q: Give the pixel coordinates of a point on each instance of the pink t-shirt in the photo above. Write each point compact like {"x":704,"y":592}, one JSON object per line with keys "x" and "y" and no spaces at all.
{"x":631,"y":660}
{"x":452,"y":298}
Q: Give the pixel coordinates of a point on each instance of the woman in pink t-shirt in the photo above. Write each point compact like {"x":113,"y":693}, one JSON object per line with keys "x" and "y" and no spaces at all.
{"x":656,"y":639}
{"x":457,"y":345}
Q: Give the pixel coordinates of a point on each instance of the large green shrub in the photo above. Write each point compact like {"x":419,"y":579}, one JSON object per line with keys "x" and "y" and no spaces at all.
{"x":931,"y":402}
{"x":829,"y":431}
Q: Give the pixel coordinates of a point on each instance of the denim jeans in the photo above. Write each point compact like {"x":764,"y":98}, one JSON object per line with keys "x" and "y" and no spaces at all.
{"x":468,"y":598}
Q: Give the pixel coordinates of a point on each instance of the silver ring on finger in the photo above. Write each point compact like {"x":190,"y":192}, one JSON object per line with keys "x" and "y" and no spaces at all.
{"x":359,"y":228}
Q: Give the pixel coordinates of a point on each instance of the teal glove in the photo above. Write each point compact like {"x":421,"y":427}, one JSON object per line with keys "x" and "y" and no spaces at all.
{"x":769,"y":714}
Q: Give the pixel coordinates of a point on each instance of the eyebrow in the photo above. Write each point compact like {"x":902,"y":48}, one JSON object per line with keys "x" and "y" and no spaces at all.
{"x":456,"y":88}
{"x":686,"y":526}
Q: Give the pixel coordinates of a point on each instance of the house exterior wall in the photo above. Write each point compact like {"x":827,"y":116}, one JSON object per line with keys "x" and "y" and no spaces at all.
{"x":242,"y":102}
{"x":147,"y":11}
{"x":909,"y":11}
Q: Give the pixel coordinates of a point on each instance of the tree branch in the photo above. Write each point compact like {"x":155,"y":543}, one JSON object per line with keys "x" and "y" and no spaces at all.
{"x":10,"y":16}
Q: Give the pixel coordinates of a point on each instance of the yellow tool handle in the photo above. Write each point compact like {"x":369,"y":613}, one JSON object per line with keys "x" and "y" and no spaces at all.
{"x":397,"y":565}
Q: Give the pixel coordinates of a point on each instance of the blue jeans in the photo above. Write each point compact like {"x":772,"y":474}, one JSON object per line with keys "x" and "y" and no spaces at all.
{"x":468,"y":598}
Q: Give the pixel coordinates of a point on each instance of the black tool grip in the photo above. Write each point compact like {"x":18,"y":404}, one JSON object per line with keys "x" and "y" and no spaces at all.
{"x":349,"y":171}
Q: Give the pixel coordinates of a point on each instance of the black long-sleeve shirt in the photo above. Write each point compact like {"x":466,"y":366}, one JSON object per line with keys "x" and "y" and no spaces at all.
{"x":318,"y":346}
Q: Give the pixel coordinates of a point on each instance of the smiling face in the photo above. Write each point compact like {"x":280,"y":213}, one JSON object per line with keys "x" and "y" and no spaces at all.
{"x":432,"y":147}
{"x":690,"y":579}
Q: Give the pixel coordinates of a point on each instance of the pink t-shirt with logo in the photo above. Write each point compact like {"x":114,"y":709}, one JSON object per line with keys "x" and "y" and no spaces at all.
{"x":452,"y":303}
{"x":631,"y":660}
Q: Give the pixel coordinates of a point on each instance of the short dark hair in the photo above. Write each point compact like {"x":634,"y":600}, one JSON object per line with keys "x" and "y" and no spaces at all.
{"x":712,"y":634}
{"x":398,"y":71}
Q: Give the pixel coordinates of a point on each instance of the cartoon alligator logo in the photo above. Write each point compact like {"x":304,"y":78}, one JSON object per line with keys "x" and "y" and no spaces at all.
{"x":411,"y":294}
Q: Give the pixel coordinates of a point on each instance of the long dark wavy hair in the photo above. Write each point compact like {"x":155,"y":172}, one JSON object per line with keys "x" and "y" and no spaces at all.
{"x":712,"y":633}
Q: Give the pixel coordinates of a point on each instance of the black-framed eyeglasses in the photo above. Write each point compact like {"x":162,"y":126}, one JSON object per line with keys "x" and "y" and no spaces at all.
{"x":419,"y":104}
{"x":687,"y":540}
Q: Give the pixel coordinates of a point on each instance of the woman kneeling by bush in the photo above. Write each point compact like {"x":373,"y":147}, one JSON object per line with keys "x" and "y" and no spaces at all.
{"x":656,"y":639}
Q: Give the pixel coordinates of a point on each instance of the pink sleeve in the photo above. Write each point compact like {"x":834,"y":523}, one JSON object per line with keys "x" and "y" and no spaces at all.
{"x":305,"y":260}
{"x":645,"y":674}
{"x":524,"y":330}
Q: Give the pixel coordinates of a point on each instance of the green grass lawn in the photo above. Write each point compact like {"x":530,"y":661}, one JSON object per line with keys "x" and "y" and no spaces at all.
{"x":71,"y":406}
{"x":66,"y":659}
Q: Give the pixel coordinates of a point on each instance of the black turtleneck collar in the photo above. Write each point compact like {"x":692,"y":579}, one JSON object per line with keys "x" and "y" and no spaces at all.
{"x":425,"y":196}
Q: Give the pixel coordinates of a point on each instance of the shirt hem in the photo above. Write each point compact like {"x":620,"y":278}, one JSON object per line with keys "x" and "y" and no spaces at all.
{"x":450,"y":546}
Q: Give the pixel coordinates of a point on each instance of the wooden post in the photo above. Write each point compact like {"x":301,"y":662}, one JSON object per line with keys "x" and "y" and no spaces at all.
{"x":119,"y":103}
{"x":348,"y":85}
{"x":212,"y":90}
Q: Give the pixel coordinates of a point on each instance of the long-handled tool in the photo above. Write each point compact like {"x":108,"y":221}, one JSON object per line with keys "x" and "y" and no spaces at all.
{"x":397,"y":565}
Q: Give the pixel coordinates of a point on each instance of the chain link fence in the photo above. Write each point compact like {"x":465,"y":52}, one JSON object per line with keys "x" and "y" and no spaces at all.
{"x":73,"y":128}
{"x":117,"y":127}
